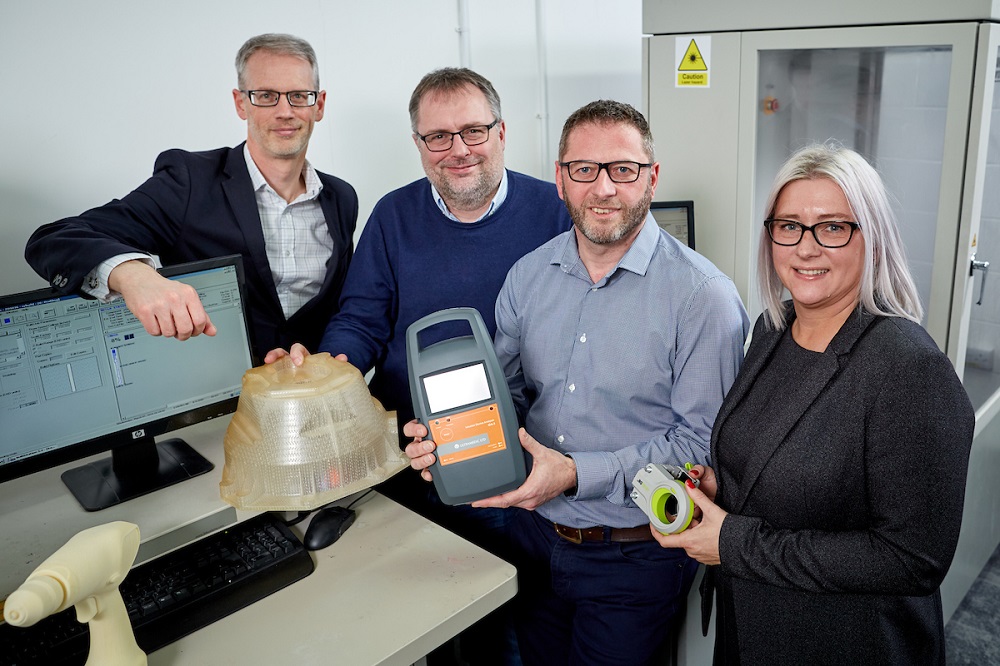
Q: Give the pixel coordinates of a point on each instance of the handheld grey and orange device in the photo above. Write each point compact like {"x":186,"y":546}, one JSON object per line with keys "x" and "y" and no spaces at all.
{"x":460,"y":394}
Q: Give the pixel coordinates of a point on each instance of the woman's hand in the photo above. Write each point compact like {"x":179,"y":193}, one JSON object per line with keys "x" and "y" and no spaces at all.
{"x":706,"y":480}
{"x":701,"y":540}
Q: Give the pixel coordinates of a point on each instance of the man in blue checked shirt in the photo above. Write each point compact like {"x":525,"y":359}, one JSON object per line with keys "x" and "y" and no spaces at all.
{"x":618,"y":343}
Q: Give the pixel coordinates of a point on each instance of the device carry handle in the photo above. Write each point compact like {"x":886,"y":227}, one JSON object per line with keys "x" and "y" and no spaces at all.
{"x":470,"y":315}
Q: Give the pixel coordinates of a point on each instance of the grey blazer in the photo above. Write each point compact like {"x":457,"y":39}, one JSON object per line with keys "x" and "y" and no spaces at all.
{"x":846,"y":520}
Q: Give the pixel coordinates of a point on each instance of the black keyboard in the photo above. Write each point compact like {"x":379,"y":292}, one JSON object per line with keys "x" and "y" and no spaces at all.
{"x":178,"y":593}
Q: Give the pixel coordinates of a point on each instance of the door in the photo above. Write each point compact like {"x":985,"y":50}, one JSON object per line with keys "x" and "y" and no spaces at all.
{"x":974,"y":337}
{"x":976,"y":324}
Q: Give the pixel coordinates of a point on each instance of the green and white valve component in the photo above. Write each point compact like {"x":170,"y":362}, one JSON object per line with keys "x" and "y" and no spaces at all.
{"x":659,"y":491}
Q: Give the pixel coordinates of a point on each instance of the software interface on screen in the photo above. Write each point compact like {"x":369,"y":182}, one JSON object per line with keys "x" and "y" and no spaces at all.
{"x":73,"y":369}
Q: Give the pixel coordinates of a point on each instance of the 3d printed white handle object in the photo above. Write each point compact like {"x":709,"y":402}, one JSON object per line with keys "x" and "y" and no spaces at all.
{"x":86,"y":573}
{"x":662,"y":496}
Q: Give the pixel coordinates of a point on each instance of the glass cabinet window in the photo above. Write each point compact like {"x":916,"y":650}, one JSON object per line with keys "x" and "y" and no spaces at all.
{"x":889,"y":104}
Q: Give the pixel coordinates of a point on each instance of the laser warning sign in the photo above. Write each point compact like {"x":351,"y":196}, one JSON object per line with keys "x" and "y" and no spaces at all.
{"x":693,"y":55}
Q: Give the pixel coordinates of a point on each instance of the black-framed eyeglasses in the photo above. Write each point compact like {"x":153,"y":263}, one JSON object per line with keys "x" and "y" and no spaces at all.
{"x":835,"y":233}
{"x":584,"y":171}
{"x":272,"y":97}
{"x":438,"y":142}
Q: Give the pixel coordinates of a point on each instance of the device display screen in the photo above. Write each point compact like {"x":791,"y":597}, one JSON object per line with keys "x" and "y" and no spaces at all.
{"x":455,"y":388}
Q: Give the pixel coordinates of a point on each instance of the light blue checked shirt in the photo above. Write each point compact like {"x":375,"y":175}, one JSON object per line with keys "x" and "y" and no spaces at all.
{"x":622,"y":372}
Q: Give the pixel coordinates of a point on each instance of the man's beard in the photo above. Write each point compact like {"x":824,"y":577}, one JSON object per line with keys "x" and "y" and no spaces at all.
{"x":470,"y":193}
{"x":632,"y":217}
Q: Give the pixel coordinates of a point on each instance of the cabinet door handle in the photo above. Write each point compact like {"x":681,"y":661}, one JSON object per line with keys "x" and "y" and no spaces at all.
{"x":983,"y":266}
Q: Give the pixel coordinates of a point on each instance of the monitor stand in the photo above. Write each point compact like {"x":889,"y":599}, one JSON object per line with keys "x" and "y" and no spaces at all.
{"x":134,"y":470}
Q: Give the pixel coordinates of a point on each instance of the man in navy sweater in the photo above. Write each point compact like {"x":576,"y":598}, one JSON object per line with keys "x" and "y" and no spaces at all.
{"x":443,"y":241}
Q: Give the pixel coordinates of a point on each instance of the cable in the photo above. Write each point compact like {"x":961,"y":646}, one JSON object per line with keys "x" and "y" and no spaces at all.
{"x":302,"y":515}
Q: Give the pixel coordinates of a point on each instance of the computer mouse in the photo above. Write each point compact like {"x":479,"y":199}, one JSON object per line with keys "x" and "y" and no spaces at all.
{"x":327,"y":526}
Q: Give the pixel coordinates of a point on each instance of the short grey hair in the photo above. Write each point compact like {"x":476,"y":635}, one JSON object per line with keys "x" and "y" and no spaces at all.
{"x":449,"y":80}
{"x":608,"y":112}
{"x":887,"y":287}
{"x":275,"y":43}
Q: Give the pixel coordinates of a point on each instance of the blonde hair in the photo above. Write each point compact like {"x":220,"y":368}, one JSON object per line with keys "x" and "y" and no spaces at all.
{"x":887,"y":287}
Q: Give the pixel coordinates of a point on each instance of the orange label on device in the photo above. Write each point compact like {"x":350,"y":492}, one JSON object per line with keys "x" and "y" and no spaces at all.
{"x":467,"y":435}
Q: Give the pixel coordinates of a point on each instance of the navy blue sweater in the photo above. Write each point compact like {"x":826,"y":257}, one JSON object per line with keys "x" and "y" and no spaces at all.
{"x":412,"y":260}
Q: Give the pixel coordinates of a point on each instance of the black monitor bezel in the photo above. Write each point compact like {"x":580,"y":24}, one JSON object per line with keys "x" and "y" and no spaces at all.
{"x":688,"y":206}
{"x":124,"y":437}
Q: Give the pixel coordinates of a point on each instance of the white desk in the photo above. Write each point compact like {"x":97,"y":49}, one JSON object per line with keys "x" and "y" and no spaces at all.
{"x":393,"y":588}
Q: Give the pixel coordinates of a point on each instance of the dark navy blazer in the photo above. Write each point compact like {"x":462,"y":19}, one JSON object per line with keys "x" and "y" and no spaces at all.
{"x":197,"y":206}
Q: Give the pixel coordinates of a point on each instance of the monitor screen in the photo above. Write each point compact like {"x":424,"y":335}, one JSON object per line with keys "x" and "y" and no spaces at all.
{"x":78,"y":377}
{"x":457,"y":388}
{"x":676,"y":218}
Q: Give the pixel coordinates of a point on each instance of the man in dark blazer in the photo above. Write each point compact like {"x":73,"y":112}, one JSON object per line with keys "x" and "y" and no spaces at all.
{"x":293,"y":225}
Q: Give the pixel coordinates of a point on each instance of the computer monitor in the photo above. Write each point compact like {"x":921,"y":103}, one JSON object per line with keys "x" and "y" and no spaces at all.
{"x":676,"y":218}
{"x":79,"y":377}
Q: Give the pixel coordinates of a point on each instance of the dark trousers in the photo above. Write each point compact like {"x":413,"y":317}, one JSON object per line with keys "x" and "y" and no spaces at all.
{"x":593,"y":602}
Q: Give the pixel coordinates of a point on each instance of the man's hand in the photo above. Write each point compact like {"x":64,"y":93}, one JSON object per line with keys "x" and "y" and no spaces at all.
{"x":419,"y":451}
{"x":163,"y":307}
{"x":551,"y":474}
{"x":297,"y":353}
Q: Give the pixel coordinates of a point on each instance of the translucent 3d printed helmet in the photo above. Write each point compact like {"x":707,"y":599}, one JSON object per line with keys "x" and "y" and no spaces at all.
{"x":305,"y":436}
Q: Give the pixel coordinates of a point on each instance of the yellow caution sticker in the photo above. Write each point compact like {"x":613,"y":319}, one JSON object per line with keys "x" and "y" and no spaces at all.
{"x":693,"y":57}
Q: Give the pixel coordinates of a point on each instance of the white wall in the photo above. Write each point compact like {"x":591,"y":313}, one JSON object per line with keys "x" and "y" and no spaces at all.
{"x":107,"y":71}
